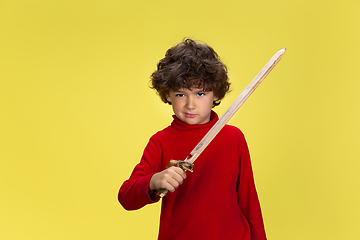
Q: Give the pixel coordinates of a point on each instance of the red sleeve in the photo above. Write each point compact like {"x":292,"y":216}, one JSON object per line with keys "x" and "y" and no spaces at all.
{"x":134,"y":192}
{"x":248,"y":198}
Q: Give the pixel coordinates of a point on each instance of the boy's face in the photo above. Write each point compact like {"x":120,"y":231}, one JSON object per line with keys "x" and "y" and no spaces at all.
{"x":192,"y":106}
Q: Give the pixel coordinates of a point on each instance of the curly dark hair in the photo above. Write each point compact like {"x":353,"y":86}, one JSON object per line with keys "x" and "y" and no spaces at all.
{"x":191,"y":65}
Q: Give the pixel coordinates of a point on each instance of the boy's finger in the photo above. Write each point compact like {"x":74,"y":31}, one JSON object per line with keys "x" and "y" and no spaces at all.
{"x":177,"y":179}
{"x":173,"y":184}
{"x":180,"y":172}
{"x":168,"y":187}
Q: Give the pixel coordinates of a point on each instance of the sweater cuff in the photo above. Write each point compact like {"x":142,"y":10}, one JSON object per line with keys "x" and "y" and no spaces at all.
{"x":152,"y":197}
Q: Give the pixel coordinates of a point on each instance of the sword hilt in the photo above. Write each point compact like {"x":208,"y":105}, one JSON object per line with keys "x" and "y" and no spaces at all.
{"x":186,"y":166}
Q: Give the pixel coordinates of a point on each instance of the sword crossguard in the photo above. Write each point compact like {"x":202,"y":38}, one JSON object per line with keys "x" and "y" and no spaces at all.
{"x":186,"y":166}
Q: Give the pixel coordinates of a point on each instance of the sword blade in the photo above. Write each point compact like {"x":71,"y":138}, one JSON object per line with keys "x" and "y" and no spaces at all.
{"x":211,"y":134}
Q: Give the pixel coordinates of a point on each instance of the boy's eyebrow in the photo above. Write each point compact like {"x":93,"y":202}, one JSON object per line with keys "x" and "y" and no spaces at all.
{"x":196,"y":90}
{"x":202,"y":90}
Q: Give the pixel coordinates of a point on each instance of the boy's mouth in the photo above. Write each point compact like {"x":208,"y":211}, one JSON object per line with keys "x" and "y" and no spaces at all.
{"x":190,"y":115}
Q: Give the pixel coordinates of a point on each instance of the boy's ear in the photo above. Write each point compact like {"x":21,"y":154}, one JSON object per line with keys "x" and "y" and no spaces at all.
{"x":168,"y":97}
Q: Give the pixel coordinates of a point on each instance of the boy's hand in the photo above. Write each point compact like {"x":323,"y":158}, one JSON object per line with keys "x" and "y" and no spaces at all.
{"x":170,"y":179}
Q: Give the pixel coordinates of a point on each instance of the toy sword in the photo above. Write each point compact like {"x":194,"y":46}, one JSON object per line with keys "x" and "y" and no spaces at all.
{"x":187,"y":164}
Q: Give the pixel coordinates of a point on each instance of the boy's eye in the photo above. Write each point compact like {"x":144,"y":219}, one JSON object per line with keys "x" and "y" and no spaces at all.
{"x":201,"y":94}
{"x":179,"y":95}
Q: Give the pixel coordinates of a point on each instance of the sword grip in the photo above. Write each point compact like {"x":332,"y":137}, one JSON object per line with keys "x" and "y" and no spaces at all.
{"x":162,"y":193}
{"x":186,"y":166}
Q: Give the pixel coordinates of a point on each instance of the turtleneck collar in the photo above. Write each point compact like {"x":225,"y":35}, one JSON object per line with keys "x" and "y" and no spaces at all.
{"x":182,"y":126}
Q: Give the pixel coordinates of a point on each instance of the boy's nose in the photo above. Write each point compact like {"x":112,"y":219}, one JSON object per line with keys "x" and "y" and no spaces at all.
{"x":191,"y":103}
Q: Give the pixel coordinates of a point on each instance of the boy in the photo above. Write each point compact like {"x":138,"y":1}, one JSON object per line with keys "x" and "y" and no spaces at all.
{"x":218,"y":200}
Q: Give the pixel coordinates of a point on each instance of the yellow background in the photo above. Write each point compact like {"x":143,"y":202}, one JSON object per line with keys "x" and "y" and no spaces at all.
{"x":76,"y":110}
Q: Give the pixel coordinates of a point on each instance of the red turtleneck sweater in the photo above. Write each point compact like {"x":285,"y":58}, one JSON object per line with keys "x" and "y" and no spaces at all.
{"x":217,"y":201}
